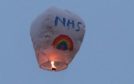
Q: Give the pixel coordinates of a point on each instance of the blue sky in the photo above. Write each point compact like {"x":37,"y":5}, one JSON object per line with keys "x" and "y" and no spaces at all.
{"x":106,"y":55}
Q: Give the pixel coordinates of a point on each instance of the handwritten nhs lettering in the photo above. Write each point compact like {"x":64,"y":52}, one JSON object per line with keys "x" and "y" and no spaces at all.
{"x":68,"y":23}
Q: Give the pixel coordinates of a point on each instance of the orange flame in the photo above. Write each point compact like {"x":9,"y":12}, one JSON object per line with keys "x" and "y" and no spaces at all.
{"x":53,"y":66}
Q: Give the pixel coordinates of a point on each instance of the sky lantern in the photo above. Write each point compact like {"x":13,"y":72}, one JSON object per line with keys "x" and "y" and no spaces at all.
{"x":56,"y":36}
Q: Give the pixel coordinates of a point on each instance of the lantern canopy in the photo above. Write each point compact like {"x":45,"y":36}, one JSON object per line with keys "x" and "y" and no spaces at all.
{"x":57,"y":36}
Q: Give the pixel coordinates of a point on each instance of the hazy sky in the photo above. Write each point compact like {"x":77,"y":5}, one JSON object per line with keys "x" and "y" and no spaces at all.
{"x":106,"y":55}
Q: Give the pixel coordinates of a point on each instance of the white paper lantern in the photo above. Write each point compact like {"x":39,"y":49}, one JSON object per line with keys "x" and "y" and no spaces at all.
{"x":57,"y":36}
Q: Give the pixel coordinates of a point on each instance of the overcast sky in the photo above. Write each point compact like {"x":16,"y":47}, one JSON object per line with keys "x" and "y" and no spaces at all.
{"x":106,"y":55}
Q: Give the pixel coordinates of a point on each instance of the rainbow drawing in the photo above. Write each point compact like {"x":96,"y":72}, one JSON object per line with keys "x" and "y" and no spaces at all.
{"x":63,"y":42}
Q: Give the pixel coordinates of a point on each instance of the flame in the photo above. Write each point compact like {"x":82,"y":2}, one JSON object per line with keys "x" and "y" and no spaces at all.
{"x":53,"y":66}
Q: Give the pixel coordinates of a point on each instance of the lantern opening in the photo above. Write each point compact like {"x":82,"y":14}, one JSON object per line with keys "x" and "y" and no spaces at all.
{"x":53,"y":69}
{"x":54,"y":65}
